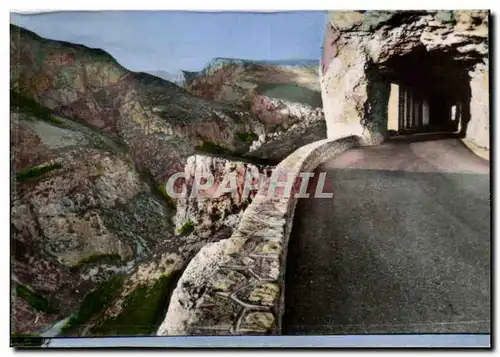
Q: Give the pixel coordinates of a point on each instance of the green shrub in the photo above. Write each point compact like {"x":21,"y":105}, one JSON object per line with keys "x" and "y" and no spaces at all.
{"x":56,"y":120}
{"x":25,"y":104}
{"x":35,"y":300}
{"x":186,"y":229}
{"x":97,"y":258}
{"x":94,"y":303}
{"x":26,"y":340}
{"x":247,"y":137}
{"x":36,"y":171}
{"x":159,"y":189}
{"x":143,"y":310}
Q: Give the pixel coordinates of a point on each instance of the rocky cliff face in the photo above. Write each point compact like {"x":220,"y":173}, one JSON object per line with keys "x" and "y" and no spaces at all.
{"x":214,"y":215}
{"x":82,"y":214}
{"x":364,"y":51}
{"x":160,"y":123}
{"x":285,"y":97}
{"x":78,"y":204}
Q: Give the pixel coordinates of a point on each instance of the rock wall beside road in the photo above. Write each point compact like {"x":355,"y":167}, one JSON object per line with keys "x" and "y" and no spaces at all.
{"x":236,"y":286}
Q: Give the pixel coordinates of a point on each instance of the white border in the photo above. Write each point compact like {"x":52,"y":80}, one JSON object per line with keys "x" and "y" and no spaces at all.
{"x":255,"y":5}
{"x":195,"y":5}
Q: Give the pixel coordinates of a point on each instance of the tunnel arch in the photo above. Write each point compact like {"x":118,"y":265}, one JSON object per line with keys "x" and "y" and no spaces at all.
{"x":419,"y":92}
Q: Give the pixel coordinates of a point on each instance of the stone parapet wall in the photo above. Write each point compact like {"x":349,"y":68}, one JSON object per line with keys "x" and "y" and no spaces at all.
{"x":236,"y":286}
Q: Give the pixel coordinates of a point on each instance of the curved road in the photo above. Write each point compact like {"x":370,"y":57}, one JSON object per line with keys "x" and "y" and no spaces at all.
{"x":402,"y":247}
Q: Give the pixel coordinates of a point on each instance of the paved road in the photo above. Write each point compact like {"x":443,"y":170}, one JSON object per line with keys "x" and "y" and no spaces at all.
{"x":402,"y":247}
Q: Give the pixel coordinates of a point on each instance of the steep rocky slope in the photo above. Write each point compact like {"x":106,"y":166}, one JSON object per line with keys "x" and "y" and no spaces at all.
{"x":78,"y":204}
{"x":83,"y":215}
{"x":94,"y":234}
{"x":147,"y":113}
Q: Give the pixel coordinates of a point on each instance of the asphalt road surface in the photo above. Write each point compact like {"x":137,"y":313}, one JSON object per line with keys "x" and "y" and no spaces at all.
{"x":402,"y":247}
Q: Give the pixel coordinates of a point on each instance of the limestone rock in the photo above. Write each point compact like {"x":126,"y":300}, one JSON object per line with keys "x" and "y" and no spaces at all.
{"x":284,"y":97}
{"x":76,"y":201}
{"x":214,"y":211}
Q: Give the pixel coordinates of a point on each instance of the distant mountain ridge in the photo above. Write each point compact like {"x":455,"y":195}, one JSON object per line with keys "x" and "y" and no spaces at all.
{"x":220,"y":62}
{"x":283,"y":62}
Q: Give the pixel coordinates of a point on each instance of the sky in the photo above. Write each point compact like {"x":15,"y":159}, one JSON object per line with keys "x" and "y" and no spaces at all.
{"x":174,"y":40}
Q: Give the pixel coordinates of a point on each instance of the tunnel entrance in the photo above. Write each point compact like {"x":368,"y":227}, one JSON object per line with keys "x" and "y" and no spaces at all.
{"x":429,"y":92}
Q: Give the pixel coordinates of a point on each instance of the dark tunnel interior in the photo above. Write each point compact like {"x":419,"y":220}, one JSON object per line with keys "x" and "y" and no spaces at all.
{"x":434,"y":91}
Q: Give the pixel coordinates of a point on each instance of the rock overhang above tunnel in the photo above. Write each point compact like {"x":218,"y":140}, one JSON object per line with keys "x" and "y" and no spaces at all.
{"x":370,"y":20}
{"x":388,"y":33}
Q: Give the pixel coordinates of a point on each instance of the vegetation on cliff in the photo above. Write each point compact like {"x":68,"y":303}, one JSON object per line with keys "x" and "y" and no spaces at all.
{"x":187,"y":228}
{"x":26,"y":340}
{"x":37,"y":171}
{"x":25,"y":104}
{"x":142,"y":311}
{"x":37,"y":301}
{"x":93,"y":303}
{"x":112,"y":258}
